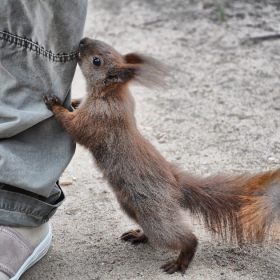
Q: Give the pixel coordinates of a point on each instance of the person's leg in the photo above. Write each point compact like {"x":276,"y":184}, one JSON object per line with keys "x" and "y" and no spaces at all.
{"x":38,"y":49}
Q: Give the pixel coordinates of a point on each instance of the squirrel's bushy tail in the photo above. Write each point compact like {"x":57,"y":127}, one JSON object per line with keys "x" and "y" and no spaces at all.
{"x":244,"y":207}
{"x":260,"y":211}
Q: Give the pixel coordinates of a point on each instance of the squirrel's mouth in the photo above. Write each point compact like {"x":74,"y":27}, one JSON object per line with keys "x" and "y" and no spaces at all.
{"x":79,"y":58}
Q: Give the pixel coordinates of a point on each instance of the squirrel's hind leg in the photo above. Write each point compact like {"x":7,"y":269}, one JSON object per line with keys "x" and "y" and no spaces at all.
{"x":171,"y":231}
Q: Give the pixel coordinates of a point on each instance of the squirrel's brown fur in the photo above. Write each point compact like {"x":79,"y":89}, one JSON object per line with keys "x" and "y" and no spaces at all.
{"x":151,"y":190}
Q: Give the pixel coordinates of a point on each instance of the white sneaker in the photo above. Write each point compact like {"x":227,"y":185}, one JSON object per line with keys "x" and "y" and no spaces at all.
{"x":20,"y":248}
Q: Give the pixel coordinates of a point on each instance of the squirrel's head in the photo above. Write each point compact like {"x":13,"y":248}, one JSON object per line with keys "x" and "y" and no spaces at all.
{"x":103,"y":67}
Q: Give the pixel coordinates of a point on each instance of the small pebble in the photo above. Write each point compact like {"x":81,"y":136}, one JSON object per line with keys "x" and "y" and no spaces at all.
{"x":66,"y":183}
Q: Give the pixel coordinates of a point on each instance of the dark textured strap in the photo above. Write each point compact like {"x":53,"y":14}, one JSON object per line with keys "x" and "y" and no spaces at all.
{"x":14,"y":251}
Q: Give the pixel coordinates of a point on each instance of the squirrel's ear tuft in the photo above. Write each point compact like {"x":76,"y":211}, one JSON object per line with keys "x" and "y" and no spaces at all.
{"x":147,"y":71}
{"x":134,"y":58}
{"x":142,"y":69}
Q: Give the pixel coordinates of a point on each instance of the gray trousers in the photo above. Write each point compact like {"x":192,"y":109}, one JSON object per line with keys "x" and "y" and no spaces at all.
{"x":38,"y":49}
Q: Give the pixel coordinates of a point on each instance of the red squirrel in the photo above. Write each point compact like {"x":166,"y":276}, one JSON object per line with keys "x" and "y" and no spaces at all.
{"x":152,"y":191}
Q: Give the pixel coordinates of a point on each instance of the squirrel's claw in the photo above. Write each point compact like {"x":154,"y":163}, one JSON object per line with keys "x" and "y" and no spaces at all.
{"x":134,"y":236}
{"x":172,"y":267}
{"x":51,"y":100}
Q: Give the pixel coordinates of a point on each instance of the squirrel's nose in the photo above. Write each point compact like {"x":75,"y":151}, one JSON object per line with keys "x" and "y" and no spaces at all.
{"x":84,"y":41}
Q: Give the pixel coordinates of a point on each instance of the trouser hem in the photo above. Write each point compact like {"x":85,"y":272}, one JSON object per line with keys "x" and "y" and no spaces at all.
{"x":20,"y":210}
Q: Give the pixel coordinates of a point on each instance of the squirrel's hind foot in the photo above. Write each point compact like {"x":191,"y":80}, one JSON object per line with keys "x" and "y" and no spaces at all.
{"x":135,"y":236}
{"x":181,"y":264}
{"x":172,"y":267}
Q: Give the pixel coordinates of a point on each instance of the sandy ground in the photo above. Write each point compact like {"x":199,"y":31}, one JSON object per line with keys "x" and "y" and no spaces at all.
{"x":219,"y":112}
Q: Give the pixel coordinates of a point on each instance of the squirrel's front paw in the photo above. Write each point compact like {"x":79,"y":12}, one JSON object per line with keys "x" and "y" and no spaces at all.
{"x":51,"y":101}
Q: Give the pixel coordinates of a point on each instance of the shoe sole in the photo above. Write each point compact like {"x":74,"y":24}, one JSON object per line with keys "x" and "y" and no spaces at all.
{"x":39,"y":252}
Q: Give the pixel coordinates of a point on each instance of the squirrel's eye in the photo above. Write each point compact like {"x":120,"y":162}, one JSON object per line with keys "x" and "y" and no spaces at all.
{"x":96,"y":61}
